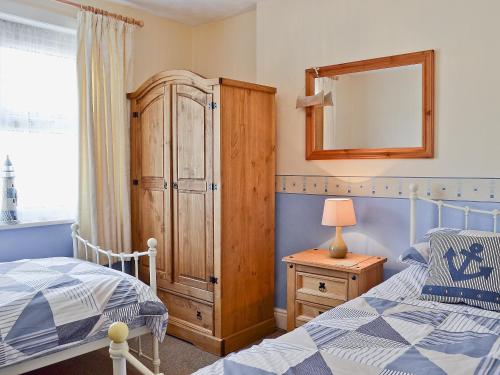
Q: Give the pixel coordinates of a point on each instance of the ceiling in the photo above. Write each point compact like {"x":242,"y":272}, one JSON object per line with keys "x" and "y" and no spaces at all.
{"x":192,"y":12}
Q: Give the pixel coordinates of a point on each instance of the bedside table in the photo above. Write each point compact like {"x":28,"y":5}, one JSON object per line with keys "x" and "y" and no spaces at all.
{"x":316,"y":282}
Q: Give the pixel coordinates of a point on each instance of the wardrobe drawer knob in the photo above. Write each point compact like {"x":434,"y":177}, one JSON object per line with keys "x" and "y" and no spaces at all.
{"x":198,"y":315}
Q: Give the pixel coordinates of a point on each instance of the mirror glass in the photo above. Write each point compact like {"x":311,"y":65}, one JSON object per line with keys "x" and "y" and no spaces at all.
{"x":379,"y":108}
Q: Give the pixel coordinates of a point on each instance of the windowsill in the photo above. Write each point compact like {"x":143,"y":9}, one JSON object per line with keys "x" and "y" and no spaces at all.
{"x":34,"y":223}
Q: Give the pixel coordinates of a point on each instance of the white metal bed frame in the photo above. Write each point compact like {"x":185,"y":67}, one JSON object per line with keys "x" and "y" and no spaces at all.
{"x":118,"y":358}
{"x":440,"y":205}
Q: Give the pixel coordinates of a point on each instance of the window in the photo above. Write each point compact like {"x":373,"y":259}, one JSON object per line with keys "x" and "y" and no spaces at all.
{"x":39,"y":118}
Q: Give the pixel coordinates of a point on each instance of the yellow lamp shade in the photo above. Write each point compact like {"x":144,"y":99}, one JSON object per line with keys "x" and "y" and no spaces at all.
{"x":338,"y":212}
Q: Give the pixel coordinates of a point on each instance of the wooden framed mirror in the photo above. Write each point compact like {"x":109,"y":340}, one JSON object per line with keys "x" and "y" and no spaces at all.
{"x":382,"y":108}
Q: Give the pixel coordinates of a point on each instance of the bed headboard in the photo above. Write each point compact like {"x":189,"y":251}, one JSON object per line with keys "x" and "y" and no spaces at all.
{"x":440,"y":205}
{"x":94,"y":253}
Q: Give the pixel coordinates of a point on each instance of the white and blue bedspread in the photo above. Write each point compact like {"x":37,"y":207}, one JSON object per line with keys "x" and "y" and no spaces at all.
{"x":386,"y":331}
{"x":47,"y":305}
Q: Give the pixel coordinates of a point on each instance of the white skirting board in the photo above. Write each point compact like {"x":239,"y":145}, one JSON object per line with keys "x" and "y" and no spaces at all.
{"x":280,"y":316}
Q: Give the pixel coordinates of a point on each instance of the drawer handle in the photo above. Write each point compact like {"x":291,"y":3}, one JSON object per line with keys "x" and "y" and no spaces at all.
{"x":322,"y":287}
{"x":198,"y":315}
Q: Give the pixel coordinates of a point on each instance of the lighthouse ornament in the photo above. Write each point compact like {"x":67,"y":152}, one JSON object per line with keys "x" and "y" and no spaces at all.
{"x":8,"y":213}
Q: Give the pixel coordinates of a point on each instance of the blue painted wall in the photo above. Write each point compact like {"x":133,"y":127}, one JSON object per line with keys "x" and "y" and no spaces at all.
{"x":383,"y":228}
{"x":40,"y":242}
{"x":35,"y":242}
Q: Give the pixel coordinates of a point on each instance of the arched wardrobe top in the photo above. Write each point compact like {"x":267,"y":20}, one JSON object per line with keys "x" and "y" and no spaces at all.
{"x":192,"y":79}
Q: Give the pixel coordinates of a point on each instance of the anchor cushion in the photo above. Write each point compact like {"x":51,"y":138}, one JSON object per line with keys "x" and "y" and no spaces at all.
{"x":464,"y":269}
{"x":419,"y":253}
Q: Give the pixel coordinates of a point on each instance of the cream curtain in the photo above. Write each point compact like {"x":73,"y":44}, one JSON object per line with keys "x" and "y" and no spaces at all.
{"x":104,"y":76}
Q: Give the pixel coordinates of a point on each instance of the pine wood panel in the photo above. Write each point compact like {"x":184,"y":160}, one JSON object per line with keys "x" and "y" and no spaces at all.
{"x":247,"y":211}
{"x":305,"y":311}
{"x":192,"y":312}
{"x":316,"y":282}
{"x":290,"y":296}
{"x":192,"y":239}
{"x":192,"y":201}
{"x":151,"y":225}
{"x":320,"y":289}
{"x":355,"y":263}
{"x":190,"y":137}
{"x":152,"y":139}
{"x":149,"y":172}
{"x":247,"y":85}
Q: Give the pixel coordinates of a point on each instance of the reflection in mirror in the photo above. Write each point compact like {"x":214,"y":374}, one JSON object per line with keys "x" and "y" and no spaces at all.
{"x":371,"y":109}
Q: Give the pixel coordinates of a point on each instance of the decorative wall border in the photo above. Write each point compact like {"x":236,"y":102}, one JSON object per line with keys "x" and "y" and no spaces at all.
{"x":449,"y":188}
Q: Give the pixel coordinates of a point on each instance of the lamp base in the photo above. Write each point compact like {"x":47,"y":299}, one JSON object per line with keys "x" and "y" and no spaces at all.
{"x":338,"y":248}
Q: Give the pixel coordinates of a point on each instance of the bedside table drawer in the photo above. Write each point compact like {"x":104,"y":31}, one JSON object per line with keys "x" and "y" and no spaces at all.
{"x":323,"y":290}
{"x":306,"y":311}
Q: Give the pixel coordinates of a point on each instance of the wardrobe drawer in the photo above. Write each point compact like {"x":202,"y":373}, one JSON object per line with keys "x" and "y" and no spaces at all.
{"x":305,"y":311}
{"x":323,"y":290}
{"x":190,"y":311}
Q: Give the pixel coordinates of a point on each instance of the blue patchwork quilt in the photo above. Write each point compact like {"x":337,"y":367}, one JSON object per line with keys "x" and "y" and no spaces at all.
{"x":387,"y":331}
{"x":47,"y":305}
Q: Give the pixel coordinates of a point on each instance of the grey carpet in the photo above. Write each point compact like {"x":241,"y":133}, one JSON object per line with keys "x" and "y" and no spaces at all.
{"x":177,"y":358}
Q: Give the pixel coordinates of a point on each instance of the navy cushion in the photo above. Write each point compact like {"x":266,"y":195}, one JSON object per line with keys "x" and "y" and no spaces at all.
{"x":464,"y":269}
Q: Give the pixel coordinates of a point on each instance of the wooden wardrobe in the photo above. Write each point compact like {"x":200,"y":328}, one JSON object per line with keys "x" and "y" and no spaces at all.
{"x":202,"y":171}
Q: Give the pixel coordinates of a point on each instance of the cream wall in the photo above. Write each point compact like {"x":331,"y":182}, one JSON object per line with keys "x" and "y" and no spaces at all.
{"x":226,"y":48}
{"x":293,"y":35}
{"x":277,"y":42}
{"x":159,"y":45}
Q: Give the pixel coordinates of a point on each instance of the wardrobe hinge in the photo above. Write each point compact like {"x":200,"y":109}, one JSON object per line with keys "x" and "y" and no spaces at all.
{"x":135,"y":114}
{"x":212,"y":186}
{"x":212,"y":105}
{"x":214,"y":280}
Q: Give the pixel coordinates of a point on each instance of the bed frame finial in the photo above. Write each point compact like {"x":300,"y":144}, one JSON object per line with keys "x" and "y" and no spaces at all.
{"x":74,"y":233}
{"x":152,"y":243}
{"x":118,"y":332}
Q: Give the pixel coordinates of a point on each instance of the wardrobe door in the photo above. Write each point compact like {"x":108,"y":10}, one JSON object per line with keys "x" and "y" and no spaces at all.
{"x":150,"y":165}
{"x":192,"y":198}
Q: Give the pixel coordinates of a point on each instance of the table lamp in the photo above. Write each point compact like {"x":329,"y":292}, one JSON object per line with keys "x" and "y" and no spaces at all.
{"x":338,"y":212}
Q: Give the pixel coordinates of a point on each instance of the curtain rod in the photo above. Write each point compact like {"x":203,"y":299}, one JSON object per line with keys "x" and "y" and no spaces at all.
{"x":89,"y":8}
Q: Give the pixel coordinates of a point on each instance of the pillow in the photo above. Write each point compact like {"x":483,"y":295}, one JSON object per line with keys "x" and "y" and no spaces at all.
{"x":463,"y":232}
{"x":419,"y":253}
{"x":464,"y":269}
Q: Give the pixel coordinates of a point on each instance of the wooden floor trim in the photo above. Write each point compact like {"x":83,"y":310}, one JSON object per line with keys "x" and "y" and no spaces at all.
{"x":249,"y":335}
{"x":204,"y":341}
